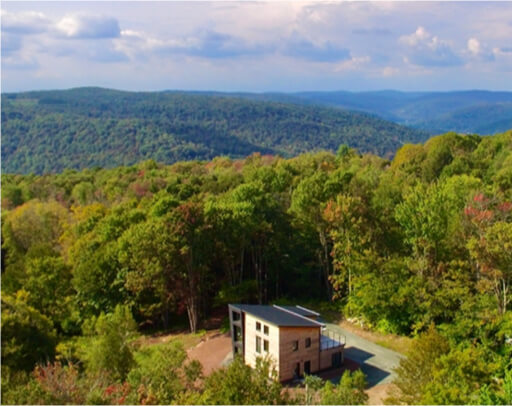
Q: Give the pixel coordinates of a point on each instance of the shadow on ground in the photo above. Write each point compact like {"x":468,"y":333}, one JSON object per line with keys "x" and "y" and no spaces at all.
{"x":354,"y":355}
{"x":374,"y":375}
{"x":357,"y":354}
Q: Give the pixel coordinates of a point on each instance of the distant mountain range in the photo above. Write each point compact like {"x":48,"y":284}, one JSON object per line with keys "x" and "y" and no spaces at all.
{"x":472,"y":111}
{"x":49,"y":131}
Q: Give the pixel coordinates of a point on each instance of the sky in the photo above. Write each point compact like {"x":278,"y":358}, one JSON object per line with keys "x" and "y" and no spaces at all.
{"x":256,"y":46}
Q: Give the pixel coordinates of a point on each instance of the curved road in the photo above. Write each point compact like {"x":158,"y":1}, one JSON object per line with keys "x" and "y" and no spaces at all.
{"x":376,"y":361}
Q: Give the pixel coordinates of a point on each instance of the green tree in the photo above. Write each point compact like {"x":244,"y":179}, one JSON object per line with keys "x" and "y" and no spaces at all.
{"x":492,"y":252}
{"x":28,"y":337}
{"x":424,"y":216}
{"x":416,"y":370}
{"x":147,"y":256}
{"x":500,"y":396}
{"x":93,"y":252}
{"x":48,"y":283}
{"x":163,"y":373}
{"x":457,"y":377}
{"x":109,"y":347}
{"x":35,"y":223}
{"x":312,"y":384}
{"x":168,"y":257}
{"x":239,"y":384}
{"x":309,"y":200}
{"x":349,"y":391}
{"x":351,"y":237}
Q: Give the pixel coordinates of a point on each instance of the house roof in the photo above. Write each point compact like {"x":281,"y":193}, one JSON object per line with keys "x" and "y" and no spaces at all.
{"x":301,"y":310}
{"x":278,"y":315}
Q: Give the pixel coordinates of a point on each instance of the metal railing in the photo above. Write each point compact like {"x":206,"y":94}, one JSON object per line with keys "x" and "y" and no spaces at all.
{"x":330,"y":339}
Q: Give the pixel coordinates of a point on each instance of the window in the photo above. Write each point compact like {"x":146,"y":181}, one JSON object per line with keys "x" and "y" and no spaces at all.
{"x":265,"y":345}
{"x":258,"y":344}
{"x":236,"y":316}
{"x":307,"y":367}
{"x":295,"y":345}
{"x":237,"y":333}
{"x":258,"y":326}
{"x":265,"y":330}
{"x":308,"y":342}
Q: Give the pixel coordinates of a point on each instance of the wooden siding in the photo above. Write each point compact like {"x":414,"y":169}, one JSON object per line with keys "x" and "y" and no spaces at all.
{"x":326,"y":357}
{"x":289,"y":358}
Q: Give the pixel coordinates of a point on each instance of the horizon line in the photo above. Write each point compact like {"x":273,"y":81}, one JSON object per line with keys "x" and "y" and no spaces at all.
{"x":263,"y":92}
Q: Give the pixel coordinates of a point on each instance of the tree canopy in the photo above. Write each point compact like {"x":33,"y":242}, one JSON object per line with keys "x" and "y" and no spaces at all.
{"x":416,"y":246}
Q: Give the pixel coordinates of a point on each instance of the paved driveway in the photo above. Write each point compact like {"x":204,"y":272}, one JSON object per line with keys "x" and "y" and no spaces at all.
{"x":212,"y":352}
{"x":376,"y":361}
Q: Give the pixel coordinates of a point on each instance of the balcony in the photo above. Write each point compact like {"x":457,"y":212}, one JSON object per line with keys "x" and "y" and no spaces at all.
{"x":330,"y":339}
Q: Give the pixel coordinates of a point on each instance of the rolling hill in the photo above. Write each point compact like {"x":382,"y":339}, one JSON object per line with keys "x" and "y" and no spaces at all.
{"x":474,"y":111}
{"x":48,"y":131}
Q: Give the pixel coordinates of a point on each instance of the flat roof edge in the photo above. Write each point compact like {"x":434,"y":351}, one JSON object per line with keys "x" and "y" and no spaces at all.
{"x":299,"y":315}
{"x":308,"y":310}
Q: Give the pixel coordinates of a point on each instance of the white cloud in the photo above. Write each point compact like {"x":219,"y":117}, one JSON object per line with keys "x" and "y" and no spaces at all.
{"x":352,"y":64}
{"x":85,"y":26}
{"x":81,"y":25}
{"x":390,"y":71}
{"x":425,"y":49}
{"x":474,"y":46}
{"x":24,"y":23}
{"x":479,"y":51}
{"x":300,"y":47}
{"x":356,"y":43}
{"x":419,"y":37}
{"x":208,"y":44}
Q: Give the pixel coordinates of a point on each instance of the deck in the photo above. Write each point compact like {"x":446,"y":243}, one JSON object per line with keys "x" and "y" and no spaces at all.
{"x":331,"y":339}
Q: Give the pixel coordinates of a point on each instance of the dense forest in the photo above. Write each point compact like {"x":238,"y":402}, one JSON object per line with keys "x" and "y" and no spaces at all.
{"x":470,"y":111}
{"x":49,"y":131}
{"x":420,"y":246}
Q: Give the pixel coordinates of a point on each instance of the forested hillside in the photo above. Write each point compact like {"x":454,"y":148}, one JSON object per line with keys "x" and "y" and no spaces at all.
{"x":47,"y":132}
{"x":472,"y":111}
{"x":419,"y":246}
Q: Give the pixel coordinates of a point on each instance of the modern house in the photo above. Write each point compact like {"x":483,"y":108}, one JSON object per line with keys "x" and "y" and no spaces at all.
{"x":291,"y":335}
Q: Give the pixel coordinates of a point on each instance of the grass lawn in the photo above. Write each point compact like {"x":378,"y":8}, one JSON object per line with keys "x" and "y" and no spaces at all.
{"x":394,"y":342}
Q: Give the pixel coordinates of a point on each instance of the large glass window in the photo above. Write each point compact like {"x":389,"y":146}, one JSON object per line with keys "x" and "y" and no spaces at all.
{"x":308,"y":342}
{"x":265,"y":330}
{"x":295,"y":345}
{"x":236,"y":316}
{"x":237,"y":333}
{"x":258,"y":344}
{"x":265,"y":345}
{"x":258,"y":326}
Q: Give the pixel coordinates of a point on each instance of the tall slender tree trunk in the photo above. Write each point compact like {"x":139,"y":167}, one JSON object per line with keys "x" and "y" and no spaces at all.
{"x":505,"y":297}
{"x":242,"y":256}
{"x":166,"y":315}
{"x":349,"y":282}
{"x":326,"y":261}
{"x":265,"y":293}
{"x":193,"y":313}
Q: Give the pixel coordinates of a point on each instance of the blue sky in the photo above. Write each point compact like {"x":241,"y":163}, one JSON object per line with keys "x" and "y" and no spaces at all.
{"x":257,"y":46}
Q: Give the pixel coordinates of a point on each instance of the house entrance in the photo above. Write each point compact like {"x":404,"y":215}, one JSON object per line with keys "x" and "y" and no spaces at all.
{"x":307,"y":367}
{"x":296,"y":372}
{"x":336,"y":360}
